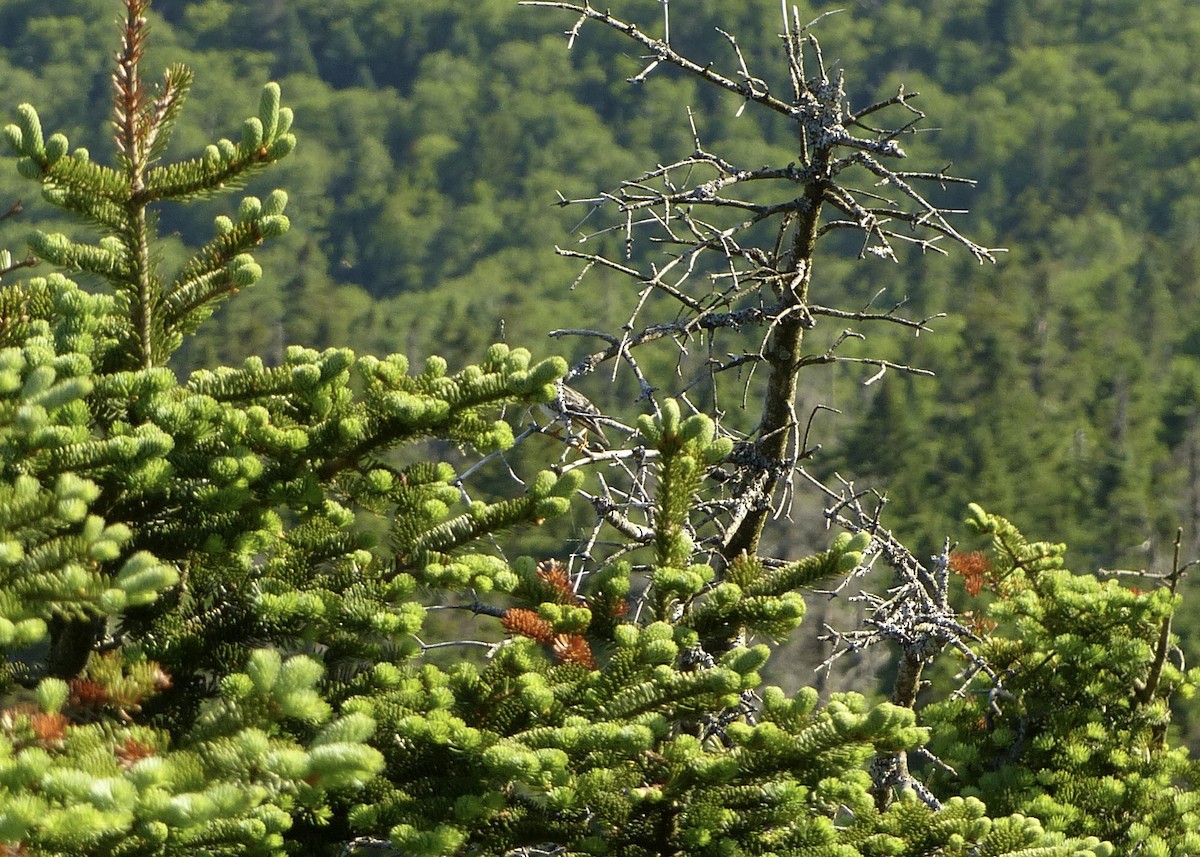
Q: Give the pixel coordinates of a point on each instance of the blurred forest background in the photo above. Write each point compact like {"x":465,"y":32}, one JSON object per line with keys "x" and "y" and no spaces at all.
{"x":435,"y":137}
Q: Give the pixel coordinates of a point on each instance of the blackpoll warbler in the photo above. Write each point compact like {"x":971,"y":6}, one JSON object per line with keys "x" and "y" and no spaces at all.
{"x":576,"y":411}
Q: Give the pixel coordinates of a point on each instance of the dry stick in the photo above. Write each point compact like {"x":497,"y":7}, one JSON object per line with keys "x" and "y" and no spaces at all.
{"x":916,"y":615}
{"x":1144,"y":691}
{"x":663,"y":53}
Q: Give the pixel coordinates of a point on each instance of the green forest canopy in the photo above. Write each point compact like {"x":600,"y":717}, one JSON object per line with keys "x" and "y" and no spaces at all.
{"x":1069,"y":375}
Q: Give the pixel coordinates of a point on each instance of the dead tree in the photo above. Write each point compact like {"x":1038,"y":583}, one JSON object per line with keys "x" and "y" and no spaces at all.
{"x":708,"y":215}
{"x":719,"y":279}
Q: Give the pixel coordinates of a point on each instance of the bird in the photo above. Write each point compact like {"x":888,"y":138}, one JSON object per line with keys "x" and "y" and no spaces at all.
{"x":574,"y":409}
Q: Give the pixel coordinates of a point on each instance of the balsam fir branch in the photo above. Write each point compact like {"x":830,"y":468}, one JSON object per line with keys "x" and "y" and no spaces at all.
{"x":606,"y":727}
{"x":1070,"y":736}
{"x":180,"y":528}
{"x":118,"y":200}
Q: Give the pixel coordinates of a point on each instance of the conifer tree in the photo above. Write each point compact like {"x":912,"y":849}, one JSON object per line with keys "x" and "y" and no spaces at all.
{"x":181,"y":568}
{"x":1075,"y":732}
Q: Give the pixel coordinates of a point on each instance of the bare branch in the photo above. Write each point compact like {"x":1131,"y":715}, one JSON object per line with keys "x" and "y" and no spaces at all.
{"x":664,"y":53}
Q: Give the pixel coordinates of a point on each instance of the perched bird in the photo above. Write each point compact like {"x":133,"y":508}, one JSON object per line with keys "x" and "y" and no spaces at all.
{"x":574,"y":409}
